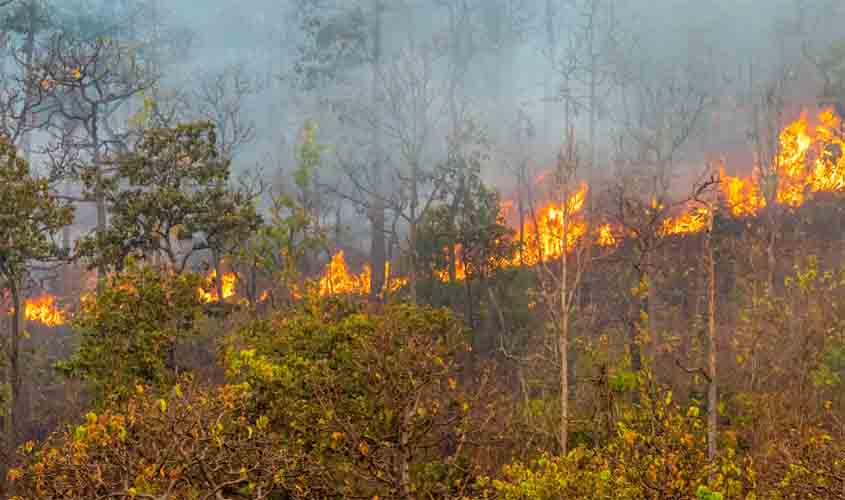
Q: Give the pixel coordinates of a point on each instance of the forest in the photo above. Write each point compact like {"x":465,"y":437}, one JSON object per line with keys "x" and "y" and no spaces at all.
{"x":422,"y":249}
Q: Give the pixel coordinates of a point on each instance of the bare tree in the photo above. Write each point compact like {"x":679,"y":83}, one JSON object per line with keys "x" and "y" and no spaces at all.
{"x":661,"y":108}
{"x":407,"y":118}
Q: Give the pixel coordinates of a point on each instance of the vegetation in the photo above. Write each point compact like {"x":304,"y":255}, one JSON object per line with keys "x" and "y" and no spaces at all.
{"x":430,"y":296}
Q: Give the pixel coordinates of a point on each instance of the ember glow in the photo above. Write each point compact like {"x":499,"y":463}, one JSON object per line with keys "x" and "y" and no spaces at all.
{"x":227,"y":285}
{"x":43,"y":309}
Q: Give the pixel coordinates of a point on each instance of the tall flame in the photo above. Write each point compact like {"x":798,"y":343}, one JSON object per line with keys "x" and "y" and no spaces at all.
{"x":546,"y":238}
{"x":227,"y":285}
{"x":795,"y":143}
{"x":337,"y":280}
{"x":605,"y":237}
{"x":43,"y":309}
{"x":742,"y":196}
{"x":809,"y":160}
{"x":692,"y":221}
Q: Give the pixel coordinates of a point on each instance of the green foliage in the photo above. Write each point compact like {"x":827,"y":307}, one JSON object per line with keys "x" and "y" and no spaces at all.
{"x":470,"y":219}
{"x":279,"y":247}
{"x":623,"y":381}
{"x":129,"y":330}
{"x":658,"y":452}
{"x":170,"y":197}
{"x":309,"y":156}
{"x":377,"y":403}
{"x":30,"y":217}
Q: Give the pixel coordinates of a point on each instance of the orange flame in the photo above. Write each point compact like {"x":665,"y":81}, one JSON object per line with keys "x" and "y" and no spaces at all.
{"x":460,"y":267}
{"x":809,"y":160}
{"x":337,"y":280}
{"x":688,"y":222}
{"x":546,"y":240}
{"x":43,"y":309}
{"x":605,"y":237}
{"x":743,"y":196}
{"x":227,"y":285}
{"x":795,"y":143}
{"x":829,"y":168}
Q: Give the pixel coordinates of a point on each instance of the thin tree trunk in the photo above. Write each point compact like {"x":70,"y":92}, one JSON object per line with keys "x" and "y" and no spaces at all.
{"x":563,"y":337}
{"x":29,"y":50}
{"x":412,"y":274}
{"x":13,"y":421}
{"x":218,"y":275}
{"x":378,"y":251}
{"x":712,"y":401}
{"x":100,"y":195}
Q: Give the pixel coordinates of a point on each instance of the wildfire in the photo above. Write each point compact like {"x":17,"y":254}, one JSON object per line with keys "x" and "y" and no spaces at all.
{"x":809,"y":160}
{"x":743,"y":196}
{"x":337,"y":280}
{"x":546,"y":239}
{"x":692,"y":221}
{"x":605,"y":236}
{"x":829,"y":168}
{"x":795,"y":143}
{"x":227,"y":285}
{"x":460,"y":267}
{"x":43,"y":309}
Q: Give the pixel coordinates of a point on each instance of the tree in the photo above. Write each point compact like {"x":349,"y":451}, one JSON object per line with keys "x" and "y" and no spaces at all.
{"x":287,"y":243}
{"x":463,"y":241}
{"x":658,"y":451}
{"x":219,"y":98}
{"x":560,"y":289}
{"x":405,"y":119}
{"x":340,"y":38}
{"x":378,"y":403}
{"x":662,"y":108}
{"x":169,"y":198}
{"x":30,"y":219}
{"x":130,"y":330}
{"x":189,"y":442}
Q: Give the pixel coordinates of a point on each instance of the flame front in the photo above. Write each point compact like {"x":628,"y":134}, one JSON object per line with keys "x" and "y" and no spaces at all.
{"x":227,"y":286}
{"x":337,"y":280}
{"x":692,"y":221}
{"x":605,"y":236}
{"x":43,"y":309}
{"x":808,"y":160}
{"x":829,"y":168}
{"x":742,"y":196}
{"x":546,"y":238}
{"x":795,"y":143}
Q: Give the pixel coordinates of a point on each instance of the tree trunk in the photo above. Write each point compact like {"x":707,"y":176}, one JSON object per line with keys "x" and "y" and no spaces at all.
{"x":412,"y":237}
{"x":548,"y":87}
{"x":770,"y":254}
{"x":563,"y":334}
{"x":29,"y":49}
{"x":100,"y":195}
{"x":13,"y":421}
{"x":563,"y":347}
{"x":218,"y":275}
{"x":378,"y":250}
{"x":712,"y":402}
